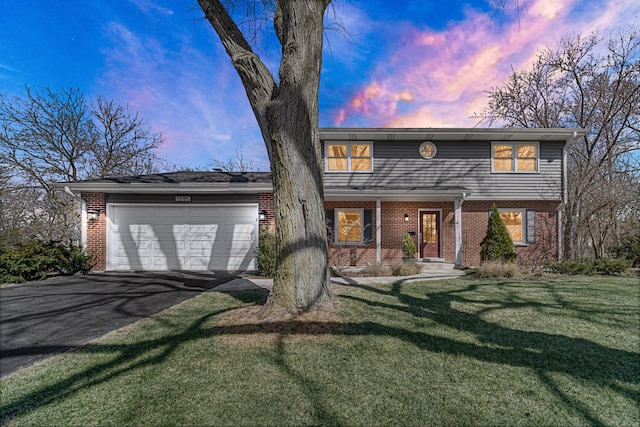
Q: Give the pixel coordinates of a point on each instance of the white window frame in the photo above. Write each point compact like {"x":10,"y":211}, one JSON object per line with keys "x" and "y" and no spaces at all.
{"x":348,"y":144}
{"x":514,"y":155}
{"x":336,"y":226}
{"x":523,"y":213}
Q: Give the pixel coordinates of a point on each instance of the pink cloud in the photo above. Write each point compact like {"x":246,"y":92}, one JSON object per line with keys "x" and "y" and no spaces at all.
{"x":447,"y":73}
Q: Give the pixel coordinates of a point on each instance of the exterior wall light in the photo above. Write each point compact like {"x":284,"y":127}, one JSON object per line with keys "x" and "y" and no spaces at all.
{"x":406,"y":217}
{"x":93,"y":214}
{"x":262,"y":215}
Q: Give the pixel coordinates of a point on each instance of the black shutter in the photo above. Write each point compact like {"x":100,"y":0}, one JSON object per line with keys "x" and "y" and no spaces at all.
{"x":368,"y":225}
{"x":329,"y":213}
{"x":531,"y":226}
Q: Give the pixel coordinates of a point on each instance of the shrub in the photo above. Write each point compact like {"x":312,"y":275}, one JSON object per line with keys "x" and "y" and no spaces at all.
{"x":376,"y":270}
{"x":405,"y":268}
{"x":629,"y":249}
{"x":36,"y":260}
{"x":497,"y":269}
{"x":590,"y":266}
{"x":408,"y":247}
{"x":497,"y":244}
{"x":267,"y":253}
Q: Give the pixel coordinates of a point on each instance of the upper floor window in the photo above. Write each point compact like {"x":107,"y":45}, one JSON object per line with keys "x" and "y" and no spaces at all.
{"x":349,"y":156}
{"x":514,"y":157}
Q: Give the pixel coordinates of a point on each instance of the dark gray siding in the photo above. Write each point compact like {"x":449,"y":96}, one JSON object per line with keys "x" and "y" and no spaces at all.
{"x":458,"y":164}
{"x":196,"y":199}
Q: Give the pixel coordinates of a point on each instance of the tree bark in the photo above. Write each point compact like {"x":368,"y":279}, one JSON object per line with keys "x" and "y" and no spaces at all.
{"x":287,"y":114}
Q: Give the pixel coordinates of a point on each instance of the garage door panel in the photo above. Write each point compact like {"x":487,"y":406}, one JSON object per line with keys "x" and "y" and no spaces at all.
{"x":188,"y":238}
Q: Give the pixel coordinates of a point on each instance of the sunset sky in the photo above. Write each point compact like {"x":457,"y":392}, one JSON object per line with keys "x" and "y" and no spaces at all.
{"x":405,"y":63}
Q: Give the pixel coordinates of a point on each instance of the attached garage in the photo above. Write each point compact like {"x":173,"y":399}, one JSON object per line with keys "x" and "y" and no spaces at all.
{"x":165,"y":237}
{"x":173,"y":221}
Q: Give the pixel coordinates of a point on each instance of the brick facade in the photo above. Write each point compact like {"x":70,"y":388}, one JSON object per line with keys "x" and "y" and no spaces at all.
{"x":474,"y":228}
{"x":475,"y":217}
{"x":393,"y":228}
{"x":97,"y":231}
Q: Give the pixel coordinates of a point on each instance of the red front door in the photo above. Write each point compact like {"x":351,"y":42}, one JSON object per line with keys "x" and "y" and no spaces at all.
{"x":430,"y":234}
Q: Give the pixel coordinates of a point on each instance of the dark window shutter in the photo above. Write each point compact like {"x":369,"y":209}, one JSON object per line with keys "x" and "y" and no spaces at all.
{"x":368,"y":225}
{"x":330,"y":224}
{"x":531,"y":226}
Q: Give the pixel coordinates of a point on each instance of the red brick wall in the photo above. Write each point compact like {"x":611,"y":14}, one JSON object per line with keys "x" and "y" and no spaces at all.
{"x":474,"y":227}
{"x":97,"y":231}
{"x":394,"y":227}
{"x":265,"y":203}
{"x":475,"y":216}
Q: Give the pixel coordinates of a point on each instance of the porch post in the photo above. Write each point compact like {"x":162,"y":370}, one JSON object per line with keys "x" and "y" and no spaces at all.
{"x":457,"y":203}
{"x":378,"y":232}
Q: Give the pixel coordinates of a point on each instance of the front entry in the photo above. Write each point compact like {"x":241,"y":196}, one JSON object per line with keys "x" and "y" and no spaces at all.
{"x":430,"y":234}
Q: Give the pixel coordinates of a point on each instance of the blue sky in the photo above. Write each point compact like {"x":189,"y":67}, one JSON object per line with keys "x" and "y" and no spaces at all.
{"x":406,"y":64}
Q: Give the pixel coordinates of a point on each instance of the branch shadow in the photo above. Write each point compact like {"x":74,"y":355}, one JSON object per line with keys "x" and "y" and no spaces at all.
{"x":543,"y":353}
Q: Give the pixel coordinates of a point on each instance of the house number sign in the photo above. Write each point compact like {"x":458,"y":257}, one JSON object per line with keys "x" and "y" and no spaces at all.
{"x":183,"y":199}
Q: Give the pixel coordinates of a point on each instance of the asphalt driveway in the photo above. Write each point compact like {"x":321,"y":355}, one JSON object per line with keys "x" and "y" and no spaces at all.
{"x":40,"y":319}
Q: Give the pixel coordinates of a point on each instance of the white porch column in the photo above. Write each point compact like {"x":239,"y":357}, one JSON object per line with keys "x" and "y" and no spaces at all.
{"x":457,"y":203}
{"x":378,"y":231}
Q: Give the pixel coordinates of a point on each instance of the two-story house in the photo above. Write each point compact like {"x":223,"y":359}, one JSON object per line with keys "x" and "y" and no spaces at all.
{"x":438,"y":185}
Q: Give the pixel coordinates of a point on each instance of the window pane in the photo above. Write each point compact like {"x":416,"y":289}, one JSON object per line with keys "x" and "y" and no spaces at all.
{"x":502,"y":151}
{"x":526,"y":151}
{"x":349,"y":227}
{"x":513,"y":221}
{"x":337,"y":150}
{"x":360,"y":150}
{"x":337,"y":164}
{"x":503,"y":164}
{"x":361,"y":164}
{"x":527,"y":165}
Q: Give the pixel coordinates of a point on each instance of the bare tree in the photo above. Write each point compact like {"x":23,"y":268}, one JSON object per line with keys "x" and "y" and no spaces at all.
{"x":239,"y":164}
{"x":286,"y":109}
{"x":590,"y":82}
{"x":58,"y":136}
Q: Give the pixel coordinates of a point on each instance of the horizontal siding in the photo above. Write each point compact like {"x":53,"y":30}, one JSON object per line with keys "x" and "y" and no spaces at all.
{"x":170,"y":198}
{"x":457,"y":164}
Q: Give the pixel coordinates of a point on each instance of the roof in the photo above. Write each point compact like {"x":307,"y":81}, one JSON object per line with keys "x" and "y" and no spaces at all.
{"x":177,"y":182}
{"x":451,"y":134}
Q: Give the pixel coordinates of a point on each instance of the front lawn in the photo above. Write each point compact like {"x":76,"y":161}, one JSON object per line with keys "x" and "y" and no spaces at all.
{"x":560,"y":351}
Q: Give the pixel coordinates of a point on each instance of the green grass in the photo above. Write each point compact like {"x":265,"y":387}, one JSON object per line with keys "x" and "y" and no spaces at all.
{"x":562,"y":351}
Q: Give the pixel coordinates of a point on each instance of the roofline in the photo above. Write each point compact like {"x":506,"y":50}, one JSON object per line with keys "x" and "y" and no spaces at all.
{"x":463,"y":134}
{"x":155,"y":188}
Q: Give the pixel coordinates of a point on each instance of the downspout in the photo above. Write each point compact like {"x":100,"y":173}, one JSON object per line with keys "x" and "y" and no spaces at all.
{"x":565,"y":196}
{"x":457,"y":203}
{"x":83,"y":217}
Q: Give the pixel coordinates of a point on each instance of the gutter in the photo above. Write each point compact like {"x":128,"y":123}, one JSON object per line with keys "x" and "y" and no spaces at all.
{"x":83,"y":217}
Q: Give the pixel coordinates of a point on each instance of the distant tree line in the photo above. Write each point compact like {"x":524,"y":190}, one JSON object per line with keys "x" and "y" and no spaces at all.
{"x":590,"y":82}
{"x":50,"y":136}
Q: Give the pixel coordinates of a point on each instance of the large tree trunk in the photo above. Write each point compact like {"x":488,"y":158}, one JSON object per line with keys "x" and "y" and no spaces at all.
{"x":288,"y":117}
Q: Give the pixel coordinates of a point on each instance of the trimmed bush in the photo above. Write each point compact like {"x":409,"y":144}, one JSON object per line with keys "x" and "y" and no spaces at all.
{"x":408,"y":247}
{"x":37,"y":260}
{"x":590,"y":266}
{"x":497,"y":244}
{"x":267,"y":253}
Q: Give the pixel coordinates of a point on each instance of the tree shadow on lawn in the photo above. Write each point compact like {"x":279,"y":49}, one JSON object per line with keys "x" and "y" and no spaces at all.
{"x":543,"y":353}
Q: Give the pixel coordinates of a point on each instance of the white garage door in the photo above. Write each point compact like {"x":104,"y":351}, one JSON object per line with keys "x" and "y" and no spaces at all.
{"x":182,"y":238}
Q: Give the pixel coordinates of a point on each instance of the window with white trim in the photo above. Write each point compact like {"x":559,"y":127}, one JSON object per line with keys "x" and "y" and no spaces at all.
{"x":349,"y":157}
{"x":519,"y":157}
